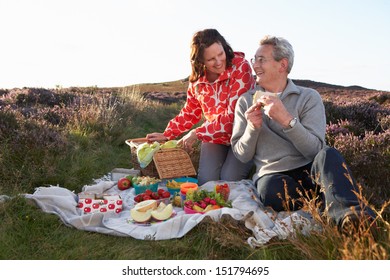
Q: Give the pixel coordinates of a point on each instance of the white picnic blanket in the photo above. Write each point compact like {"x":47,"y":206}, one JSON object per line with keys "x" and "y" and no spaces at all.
{"x":246,"y":206}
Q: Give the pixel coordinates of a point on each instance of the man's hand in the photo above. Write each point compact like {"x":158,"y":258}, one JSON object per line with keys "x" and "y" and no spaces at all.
{"x":275,"y":110}
{"x":254,"y":115}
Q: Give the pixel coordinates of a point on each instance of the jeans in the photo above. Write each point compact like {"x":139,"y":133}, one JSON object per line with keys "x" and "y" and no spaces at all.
{"x":328,"y":178}
{"x":217,"y":162}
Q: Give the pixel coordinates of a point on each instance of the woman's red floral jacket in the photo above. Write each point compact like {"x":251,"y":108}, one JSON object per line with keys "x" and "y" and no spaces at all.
{"x":216,"y":100}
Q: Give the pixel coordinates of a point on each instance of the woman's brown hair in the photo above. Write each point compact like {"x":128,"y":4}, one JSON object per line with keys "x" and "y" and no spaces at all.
{"x":202,"y":40}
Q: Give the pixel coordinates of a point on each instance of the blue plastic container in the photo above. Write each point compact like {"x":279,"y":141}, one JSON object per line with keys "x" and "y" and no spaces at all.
{"x":180,"y":180}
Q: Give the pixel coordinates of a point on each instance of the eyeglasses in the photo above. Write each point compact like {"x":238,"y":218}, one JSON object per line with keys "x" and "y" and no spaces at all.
{"x":258,"y":59}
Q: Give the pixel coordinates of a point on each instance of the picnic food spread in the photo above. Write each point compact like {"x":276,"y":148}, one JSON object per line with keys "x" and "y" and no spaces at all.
{"x":156,"y":204}
{"x":155,"y":198}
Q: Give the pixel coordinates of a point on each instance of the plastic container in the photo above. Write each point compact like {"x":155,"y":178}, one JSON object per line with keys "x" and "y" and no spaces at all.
{"x":190,"y":211}
{"x":118,"y":173}
{"x":166,"y":201}
{"x":141,"y":189}
{"x":174,"y":191}
{"x":184,"y":188}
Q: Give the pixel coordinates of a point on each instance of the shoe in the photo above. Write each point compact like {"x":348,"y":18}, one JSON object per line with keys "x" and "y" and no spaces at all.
{"x":351,"y":223}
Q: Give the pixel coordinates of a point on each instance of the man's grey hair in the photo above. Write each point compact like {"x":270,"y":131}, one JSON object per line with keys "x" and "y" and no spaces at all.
{"x":282,"y":49}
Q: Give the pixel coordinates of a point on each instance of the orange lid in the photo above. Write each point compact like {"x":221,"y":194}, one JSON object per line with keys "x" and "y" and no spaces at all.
{"x":187,"y":186}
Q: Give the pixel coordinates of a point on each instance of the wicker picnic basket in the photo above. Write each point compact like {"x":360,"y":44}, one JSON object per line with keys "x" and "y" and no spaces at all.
{"x":167,"y":163}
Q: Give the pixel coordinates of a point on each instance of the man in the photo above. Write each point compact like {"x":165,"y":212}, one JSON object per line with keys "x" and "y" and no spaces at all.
{"x":283,"y":131}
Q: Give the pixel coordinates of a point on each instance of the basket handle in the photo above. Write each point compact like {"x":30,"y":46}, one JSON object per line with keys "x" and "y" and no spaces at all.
{"x":136,"y":141}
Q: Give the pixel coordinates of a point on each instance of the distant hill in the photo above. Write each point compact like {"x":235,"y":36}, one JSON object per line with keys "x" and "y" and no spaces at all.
{"x":316,"y":85}
{"x":174,"y":91}
{"x":182,"y":85}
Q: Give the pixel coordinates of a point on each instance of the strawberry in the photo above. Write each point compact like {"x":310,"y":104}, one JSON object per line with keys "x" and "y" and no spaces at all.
{"x":155,"y":195}
{"x":189,"y":204}
{"x":166,"y":194}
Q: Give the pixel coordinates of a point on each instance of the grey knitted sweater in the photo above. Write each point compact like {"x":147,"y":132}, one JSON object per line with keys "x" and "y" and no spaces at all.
{"x":273,"y":148}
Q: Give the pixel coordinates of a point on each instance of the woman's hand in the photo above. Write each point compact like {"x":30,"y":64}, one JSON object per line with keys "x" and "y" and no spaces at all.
{"x":188,"y":140}
{"x":156,"y":136}
{"x":254,"y":115}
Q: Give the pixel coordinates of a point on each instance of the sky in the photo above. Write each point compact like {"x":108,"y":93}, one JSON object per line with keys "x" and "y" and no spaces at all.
{"x":115,"y":43}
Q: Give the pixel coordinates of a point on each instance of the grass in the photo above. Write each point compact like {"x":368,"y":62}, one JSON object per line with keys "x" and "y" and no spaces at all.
{"x":82,"y":137}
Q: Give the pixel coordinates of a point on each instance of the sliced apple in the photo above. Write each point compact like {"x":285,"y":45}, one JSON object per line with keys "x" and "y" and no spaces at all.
{"x":144,"y":206}
{"x":141,"y":217}
{"x":162,"y":213}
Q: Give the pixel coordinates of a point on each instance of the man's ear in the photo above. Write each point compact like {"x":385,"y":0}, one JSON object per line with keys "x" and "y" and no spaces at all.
{"x":283,"y":65}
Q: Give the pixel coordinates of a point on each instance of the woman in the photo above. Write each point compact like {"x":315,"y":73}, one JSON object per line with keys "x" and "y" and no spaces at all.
{"x":219,"y":77}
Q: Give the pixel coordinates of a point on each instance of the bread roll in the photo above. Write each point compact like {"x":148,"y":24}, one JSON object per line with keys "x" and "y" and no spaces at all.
{"x":260,"y":93}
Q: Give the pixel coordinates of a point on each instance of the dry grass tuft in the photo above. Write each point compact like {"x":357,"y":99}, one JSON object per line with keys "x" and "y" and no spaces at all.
{"x":227,"y":233}
{"x":368,"y":241}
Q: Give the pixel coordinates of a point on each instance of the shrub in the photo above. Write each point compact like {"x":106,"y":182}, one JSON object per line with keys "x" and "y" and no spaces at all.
{"x":369,"y":159}
{"x":342,"y":127}
{"x":9,"y":125}
{"x":363,"y":115}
